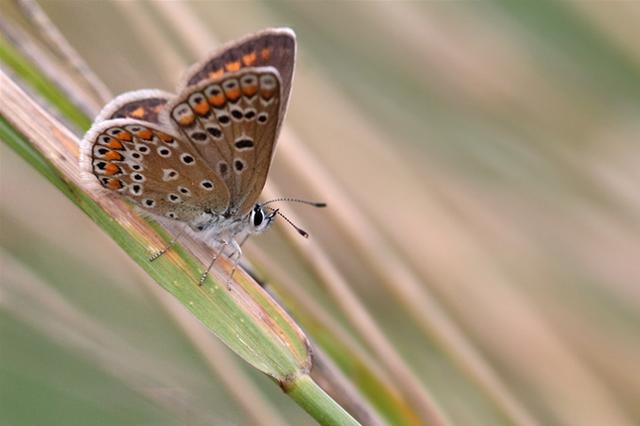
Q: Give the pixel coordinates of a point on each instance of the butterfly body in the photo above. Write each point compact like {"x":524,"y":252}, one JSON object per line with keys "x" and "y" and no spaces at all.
{"x":200,"y":157}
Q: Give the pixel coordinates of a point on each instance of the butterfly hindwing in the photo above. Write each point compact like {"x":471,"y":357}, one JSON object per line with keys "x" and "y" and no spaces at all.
{"x":143,"y":105}
{"x":153,"y":168}
{"x":232,"y":121}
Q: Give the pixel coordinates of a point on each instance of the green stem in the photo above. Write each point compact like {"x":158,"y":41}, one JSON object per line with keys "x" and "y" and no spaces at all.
{"x":316,"y":402}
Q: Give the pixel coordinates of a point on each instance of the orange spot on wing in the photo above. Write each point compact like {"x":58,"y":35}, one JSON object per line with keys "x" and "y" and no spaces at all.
{"x":186,"y":120}
{"x":158,"y":108}
{"x":217,"y":100}
{"x":111,"y":169}
{"x":113,"y":156}
{"x":216,"y":74}
{"x":145,"y":134}
{"x":249,"y":58}
{"x":115,"y":184}
{"x":233,"y":66}
{"x":267,"y":93}
{"x":114,"y":144}
{"x":124,"y":136}
{"x":265,"y":54}
{"x":138,"y":112}
{"x":201,"y":108}
{"x":233,"y":94}
{"x":164,"y":137}
{"x":249,"y":89}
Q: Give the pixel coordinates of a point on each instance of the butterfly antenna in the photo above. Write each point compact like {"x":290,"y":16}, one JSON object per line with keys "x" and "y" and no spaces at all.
{"x":296,"y":200}
{"x":296,"y":227}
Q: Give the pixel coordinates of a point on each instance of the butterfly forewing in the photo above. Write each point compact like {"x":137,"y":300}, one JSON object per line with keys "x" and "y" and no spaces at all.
{"x":274,"y":47}
{"x":155,"y":169}
{"x":232,"y":121}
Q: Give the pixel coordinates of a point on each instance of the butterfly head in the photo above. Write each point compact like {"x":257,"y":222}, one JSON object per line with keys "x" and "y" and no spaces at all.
{"x":260,"y":218}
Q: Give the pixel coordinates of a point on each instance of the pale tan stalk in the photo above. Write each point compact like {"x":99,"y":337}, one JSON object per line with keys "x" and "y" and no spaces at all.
{"x":315,"y":311}
{"x":50,"y":67}
{"x":171,"y":64}
{"x":185,"y":24}
{"x":59,"y":44}
{"x":399,"y":279}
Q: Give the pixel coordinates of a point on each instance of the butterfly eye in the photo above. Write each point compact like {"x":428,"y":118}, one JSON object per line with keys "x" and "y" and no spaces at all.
{"x":257,"y":217}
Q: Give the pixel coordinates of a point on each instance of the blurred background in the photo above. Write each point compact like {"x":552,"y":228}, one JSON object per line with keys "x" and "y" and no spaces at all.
{"x":481,"y":162}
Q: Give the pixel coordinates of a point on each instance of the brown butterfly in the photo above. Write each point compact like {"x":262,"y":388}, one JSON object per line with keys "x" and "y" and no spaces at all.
{"x":201,"y":157}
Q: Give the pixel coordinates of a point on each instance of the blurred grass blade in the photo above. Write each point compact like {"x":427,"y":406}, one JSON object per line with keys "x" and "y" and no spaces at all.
{"x":53,"y":36}
{"x":246,"y":318}
{"x":45,"y":88}
{"x":363,"y":371}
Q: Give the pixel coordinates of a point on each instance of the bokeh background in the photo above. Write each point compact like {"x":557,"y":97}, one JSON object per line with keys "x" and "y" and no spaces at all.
{"x":482,"y":160}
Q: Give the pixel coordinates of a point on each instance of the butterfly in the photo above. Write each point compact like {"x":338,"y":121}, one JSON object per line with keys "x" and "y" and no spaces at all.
{"x":202,"y":156}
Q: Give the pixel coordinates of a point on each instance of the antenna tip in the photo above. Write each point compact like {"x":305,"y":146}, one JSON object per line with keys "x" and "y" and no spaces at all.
{"x":303,"y":233}
{"x":320,"y":204}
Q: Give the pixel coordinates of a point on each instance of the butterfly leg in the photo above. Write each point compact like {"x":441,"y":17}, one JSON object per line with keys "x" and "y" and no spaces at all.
{"x":166,"y":248}
{"x":244,"y":239}
{"x":236,"y":256}
{"x":204,"y":275}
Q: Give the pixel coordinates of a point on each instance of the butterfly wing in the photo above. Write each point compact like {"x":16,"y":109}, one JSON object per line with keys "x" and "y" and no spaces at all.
{"x":274,"y":47}
{"x":144,"y":105}
{"x":232,"y":121}
{"x":241,"y":155}
{"x":152,"y":167}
